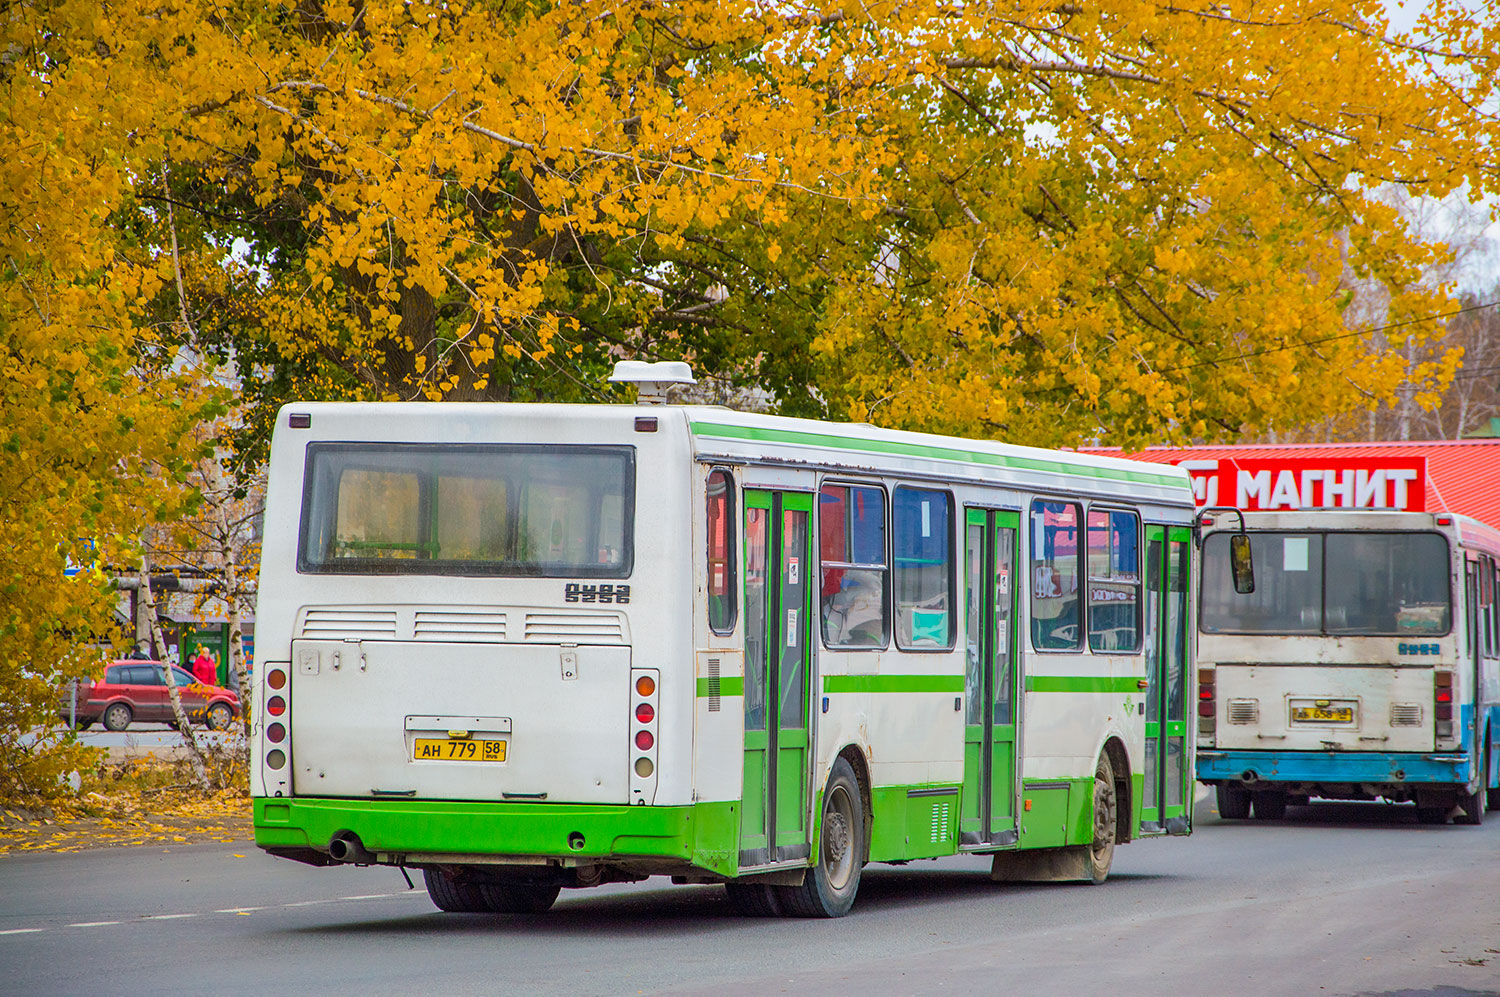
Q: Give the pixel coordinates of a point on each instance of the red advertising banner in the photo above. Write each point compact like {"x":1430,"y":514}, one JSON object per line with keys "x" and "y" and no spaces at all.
{"x":1322,"y":482}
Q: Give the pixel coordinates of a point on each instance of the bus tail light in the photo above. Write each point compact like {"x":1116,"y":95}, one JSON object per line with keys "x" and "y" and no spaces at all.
{"x":1442,"y":702}
{"x":275,"y":768}
{"x":645,"y":733}
{"x":1207,"y":707}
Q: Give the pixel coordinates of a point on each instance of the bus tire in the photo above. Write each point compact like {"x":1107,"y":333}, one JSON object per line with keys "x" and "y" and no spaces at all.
{"x":1491,"y":796}
{"x":450,"y":895}
{"x":1471,"y":806}
{"x":752,"y":899}
{"x":1434,"y":815}
{"x":519,"y":898}
{"x":1234,"y":801}
{"x":1106,"y":803}
{"x":1270,"y":806}
{"x":830,"y":885}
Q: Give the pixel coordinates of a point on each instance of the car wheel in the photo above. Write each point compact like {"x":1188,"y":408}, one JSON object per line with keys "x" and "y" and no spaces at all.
{"x":82,"y":723}
{"x":218,"y":717}
{"x":117,"y":716}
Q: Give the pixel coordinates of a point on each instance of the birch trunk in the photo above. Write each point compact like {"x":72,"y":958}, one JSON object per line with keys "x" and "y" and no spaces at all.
{"x":159,"y":647}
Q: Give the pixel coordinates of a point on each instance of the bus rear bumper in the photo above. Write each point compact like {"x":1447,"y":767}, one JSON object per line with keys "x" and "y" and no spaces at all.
{"x":1367,"y":768}
{"x":421,"y":832}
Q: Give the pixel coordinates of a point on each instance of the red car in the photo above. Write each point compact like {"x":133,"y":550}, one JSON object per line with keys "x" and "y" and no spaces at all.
{"x":137,"y":690}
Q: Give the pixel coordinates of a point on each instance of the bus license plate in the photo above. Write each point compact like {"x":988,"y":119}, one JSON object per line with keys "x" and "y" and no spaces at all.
{"x":1325,"y":715}
{"x":426,"y":749}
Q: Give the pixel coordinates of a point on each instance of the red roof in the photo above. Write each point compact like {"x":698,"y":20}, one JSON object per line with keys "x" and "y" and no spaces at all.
{"x":1463,"y":476}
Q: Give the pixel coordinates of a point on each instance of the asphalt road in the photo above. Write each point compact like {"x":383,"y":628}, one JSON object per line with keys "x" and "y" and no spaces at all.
{"x":1336,"y":899}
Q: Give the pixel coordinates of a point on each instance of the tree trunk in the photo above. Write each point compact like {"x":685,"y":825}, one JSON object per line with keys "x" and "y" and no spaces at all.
{"x":236,"y":625}
{"x":184,"y":725}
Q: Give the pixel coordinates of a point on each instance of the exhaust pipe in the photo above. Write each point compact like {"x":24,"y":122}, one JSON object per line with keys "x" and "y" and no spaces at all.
{"x":346,"y":847}
{"x":1248,"y":777}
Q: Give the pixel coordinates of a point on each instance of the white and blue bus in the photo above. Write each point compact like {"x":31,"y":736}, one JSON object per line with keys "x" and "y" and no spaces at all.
{"x":527,"y":647}
{"x":1365,"y":664}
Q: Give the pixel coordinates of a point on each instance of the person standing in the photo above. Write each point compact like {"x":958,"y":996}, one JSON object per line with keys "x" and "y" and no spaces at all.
{"x":204,"y":669}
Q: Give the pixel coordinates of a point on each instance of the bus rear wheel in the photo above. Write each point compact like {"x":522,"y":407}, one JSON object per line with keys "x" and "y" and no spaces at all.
{"x":519,"y":898}
{"x":1471,"y":806}
{"x":1106,"y":803}
{"x":1234,"y":801}
{"x":753,"y":899}
{"x":453,"y":895}
{"x":1270,"y":805}
{"x":830,"y":885}
{"x":1491,"y":796}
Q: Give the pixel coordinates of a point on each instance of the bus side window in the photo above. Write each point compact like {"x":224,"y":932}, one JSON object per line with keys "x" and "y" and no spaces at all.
{"x":1487,"y":602}
{"x":1114,"y":580}
{"x":922,"y":528}
{"x":721,"y":581}
{"x":1056,"y":610}
{"x":852,"y":595}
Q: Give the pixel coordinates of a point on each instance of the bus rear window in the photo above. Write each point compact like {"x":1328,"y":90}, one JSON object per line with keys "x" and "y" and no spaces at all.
{"x":481,"y":509}
{"x":1366,"y":584}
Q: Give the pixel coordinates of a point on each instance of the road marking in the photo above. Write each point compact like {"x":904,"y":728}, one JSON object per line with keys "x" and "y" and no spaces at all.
{"x":241,"y":911}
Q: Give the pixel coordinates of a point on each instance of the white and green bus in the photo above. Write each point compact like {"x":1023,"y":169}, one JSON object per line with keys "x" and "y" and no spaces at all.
{"x":527,"y":647}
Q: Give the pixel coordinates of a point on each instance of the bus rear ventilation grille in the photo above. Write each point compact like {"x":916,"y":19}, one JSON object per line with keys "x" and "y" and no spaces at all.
{"x":714,"y":685}
{"x":340,"y":624}
{"x":575,"y":629}
{"x":1406,"y":715}
{"x":1244,"y":711}
{"x":459,"y":626}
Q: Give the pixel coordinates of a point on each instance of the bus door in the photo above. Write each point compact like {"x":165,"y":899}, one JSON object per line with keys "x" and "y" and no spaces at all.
{"x":989,"y":803}
{"x":773,"y":811}
{"x":1166,"y":802}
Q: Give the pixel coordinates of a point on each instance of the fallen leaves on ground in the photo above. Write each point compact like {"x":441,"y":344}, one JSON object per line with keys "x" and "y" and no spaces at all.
{"x":141,"y":803}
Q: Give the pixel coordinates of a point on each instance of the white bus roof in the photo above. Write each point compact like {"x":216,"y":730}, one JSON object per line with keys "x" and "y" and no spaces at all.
{"x":721,"y":434}
{"x":1471,"y":532}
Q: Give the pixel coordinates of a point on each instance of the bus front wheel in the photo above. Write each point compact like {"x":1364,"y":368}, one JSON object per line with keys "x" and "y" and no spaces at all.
{"x":830,"y":885}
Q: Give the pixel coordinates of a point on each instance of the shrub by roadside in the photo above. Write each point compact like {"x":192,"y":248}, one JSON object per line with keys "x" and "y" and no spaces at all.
{"x":140,"y":800}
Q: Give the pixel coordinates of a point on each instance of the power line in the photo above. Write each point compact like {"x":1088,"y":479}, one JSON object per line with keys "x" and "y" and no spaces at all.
{"x":1326,"y":339}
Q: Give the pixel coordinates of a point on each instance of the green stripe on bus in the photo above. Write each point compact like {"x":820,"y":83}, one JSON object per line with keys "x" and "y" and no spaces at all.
{"x":729,"y":685}
{"x":900,"y":448}
{"x":1080,"y":683}
{"x":893,"y":683}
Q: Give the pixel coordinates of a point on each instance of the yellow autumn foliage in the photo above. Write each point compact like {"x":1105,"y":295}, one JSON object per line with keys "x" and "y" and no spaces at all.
{"x":1123,"y":220}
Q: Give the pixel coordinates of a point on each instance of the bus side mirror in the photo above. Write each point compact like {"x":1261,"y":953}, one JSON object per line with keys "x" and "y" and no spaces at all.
{"x":1241,"y":564}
